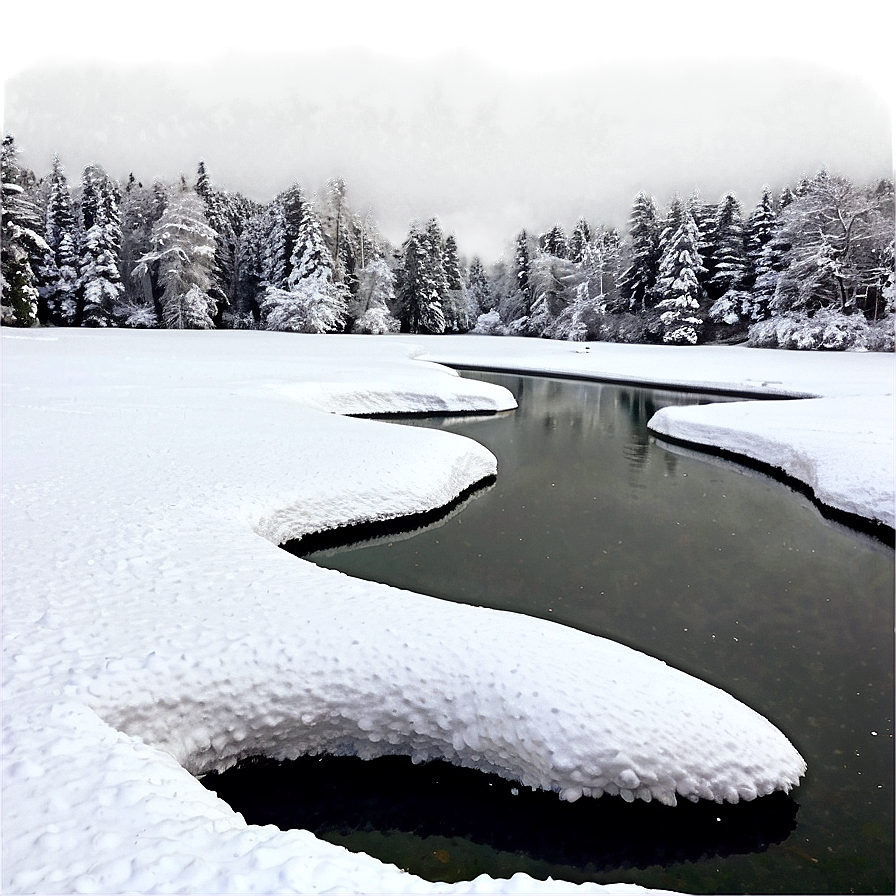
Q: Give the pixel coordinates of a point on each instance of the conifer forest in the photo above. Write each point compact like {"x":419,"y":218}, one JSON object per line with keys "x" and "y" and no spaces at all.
{"x":810,"y":267}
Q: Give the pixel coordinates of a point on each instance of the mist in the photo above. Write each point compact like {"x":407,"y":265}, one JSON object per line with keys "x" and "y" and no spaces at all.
{"x":486,"y":150}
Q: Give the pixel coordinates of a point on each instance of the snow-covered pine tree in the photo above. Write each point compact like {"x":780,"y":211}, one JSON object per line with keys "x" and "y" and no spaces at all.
{"x":456,"y":303}
{"x":479,"y":287}
{"x":787,"y":196}
{"x":250,"y":262}
{"x":312,"y":303}
{"x":419,"y":299}
{"x":731,"y":267}
{"x":101,"y":289}
{"x":23,"y":249}
{"x":60,"y":276}
{"x":705,"y":215}
{"x":554,"y":242}
{"x":678,"y":282}
{"x":580,"y":238}
{"x":276,"y":247}
{"x":375,"y":297}
{"x":516,"y":303}
{"x":637,"y":284}
{"x":758,"y":231}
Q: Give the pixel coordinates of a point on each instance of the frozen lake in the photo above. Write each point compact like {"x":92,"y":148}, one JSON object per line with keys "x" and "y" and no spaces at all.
{"x":717,"y":570}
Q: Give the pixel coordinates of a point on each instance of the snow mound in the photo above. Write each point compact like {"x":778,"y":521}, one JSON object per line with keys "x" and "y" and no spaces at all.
{"x":816,"y":441}
{"x":150,"y":634}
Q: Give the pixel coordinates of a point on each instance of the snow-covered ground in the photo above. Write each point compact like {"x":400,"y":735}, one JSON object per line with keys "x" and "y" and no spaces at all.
{"x":152,"y":630}
{"x":841,"y":444}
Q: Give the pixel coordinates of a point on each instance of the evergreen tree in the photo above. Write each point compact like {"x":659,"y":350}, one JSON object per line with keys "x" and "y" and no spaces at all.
{"x":731,"y":266}
{"x":456,"y":303}
{"x":581,"y":237}
{"x":181,"y":260}
{"x":678,"y":281}
{"x":23,"y":252}
{"x":554,"y":242}
{"x":759,"y":229}
{"x":100,"y":280}
{"x":313,"y":303}
{"x":637,"y":284}
{"x":787,"y":196}
{"x":417,"y":289}
{"x":519,"y":300}
{"x":60,"y":276}
{"x":479,"y":288}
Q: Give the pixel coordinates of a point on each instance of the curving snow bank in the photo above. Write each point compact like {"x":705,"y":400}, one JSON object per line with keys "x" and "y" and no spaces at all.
{"x":152,"y":630}
{"x":842,"y":448}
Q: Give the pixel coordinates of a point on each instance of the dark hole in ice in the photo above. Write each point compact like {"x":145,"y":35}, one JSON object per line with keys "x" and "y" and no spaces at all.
{"x":448,"y":823}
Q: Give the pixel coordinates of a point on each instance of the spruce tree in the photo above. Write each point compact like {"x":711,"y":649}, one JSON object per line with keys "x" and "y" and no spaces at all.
{"x":100,"y":280}
{"x":731,"y":267}
{"x":554,"y":242}
{"x":637,"y":284}
{"x":312,"y":303}
{"x":23,"y":250}
{"x":758,"y":231}
{"x":678,"y":282}
{"x":417,"y":289}
{"x":581,"y":237}
{"x":479,"y":287}
{"x":59,"y":293}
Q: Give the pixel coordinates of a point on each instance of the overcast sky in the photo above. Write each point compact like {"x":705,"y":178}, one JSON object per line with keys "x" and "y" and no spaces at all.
{"x":669,"y":70}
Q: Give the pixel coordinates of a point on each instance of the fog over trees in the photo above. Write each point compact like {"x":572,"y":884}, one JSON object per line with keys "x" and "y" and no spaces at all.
{"x":579,"y":153}
{"x":810,"y":267}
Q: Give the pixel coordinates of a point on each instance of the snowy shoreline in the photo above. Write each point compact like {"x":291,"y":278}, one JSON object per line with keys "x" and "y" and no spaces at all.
{"x":812,"y":442}
{"x":149,"y":633}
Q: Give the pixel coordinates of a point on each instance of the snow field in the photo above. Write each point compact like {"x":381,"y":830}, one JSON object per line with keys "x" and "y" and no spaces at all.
{"x":150,"y":634}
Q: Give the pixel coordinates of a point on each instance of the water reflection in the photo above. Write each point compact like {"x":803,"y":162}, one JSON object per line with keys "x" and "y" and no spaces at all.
{"x":342,"y":798}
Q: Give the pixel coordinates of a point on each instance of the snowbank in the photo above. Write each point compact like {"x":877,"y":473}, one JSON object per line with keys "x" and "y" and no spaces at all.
{"x":152,"y":629}
{"x":841,"y":447}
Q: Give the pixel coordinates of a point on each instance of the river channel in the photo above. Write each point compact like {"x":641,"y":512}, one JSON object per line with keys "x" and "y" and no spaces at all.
{"x":716,"y":569}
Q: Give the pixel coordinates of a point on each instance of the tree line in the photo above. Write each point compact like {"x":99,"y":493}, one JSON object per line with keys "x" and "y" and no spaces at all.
{"x":812,"y":267}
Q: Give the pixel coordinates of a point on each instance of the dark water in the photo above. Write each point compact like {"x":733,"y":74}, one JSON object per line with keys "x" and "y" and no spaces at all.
{"x":715,"y":569}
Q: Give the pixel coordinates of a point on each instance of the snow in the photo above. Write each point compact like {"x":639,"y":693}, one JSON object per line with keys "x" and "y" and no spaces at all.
{"x":840,"y":445}
{"x":153,"y":631}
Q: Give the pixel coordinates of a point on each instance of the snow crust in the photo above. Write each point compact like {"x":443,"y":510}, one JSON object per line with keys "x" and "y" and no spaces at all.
{"x":153,"y":631}
{"x":842,"y":447}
